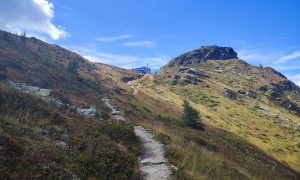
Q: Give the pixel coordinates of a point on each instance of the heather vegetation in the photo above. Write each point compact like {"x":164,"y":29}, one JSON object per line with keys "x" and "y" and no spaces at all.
{"x":39,"y":141}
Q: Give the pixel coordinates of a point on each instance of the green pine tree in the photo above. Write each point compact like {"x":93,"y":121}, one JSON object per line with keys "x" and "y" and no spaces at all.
{"x":190,"y":115}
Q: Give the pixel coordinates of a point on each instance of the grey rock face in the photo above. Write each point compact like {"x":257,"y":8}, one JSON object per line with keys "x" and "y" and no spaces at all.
{"x":203,"y":54}
{"x":30,"y":89}
{"x":19,"y":86}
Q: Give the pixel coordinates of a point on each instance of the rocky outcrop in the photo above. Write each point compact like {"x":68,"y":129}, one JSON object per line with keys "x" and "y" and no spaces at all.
{"x":188,"y":79}
{"x":30,"y":89}
{"x":46,"y":94}
{"x":196,"y":72}
{"x":287,"y":104}
{"x":87,"y":112}
{"x":203,"y":54}
{"x":230,"y":93}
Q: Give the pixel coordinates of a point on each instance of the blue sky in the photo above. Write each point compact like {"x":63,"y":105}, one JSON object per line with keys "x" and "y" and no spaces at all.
{"x":132,"y":33}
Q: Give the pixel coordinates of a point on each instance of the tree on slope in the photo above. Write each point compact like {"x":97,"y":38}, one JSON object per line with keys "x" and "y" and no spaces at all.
{"x":190,"y":115}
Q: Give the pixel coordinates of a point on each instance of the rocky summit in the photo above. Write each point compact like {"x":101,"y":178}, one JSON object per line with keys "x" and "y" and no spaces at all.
{"x":203,"y":54}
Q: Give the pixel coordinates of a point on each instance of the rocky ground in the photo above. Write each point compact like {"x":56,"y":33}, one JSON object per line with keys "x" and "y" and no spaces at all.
{"x":153,"y":164}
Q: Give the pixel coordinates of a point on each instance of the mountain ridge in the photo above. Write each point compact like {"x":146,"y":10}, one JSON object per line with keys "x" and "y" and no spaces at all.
{"x":238,"y":141}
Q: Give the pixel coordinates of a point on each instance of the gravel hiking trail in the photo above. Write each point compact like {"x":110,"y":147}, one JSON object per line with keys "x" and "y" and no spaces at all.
{"x":153,"y":165}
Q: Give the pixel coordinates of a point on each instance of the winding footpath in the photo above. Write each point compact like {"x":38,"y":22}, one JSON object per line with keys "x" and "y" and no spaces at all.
{"x":153,"y":164}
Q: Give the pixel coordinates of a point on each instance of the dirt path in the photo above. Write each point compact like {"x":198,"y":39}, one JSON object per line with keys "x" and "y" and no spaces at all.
{"x":116,"y":114}
{"x":153,"y":164}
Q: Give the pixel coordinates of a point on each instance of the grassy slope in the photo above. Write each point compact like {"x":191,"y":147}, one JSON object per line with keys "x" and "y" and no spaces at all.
{"x":95,"y":149}
{"x":270,"y":127}
{"x":212,"y":153}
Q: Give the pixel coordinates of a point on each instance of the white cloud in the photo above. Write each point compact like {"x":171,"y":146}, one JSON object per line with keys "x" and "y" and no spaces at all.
{"x":288,"y":57}
{"x":139,"y":43}
{"x":32,"y":16}
{"x":116,"y":38}
{"x":121,"y":60}
{"x":298,"y":83}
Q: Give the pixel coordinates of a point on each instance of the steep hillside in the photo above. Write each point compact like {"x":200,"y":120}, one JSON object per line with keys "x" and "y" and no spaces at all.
{"x":256,"y":103}
{"x":53,"y":123}
{"x":35,"y":63}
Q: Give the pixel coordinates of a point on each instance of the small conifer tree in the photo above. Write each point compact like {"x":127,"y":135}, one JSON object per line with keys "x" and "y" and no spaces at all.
{"x":190,"y":115}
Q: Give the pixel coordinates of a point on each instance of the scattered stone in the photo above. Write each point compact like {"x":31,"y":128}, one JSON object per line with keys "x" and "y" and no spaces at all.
{"x":44,"y":132}
{"x":241,"y":92}
{"x":44,"y":92}
{"x":183,"y":69}
{"x":62,"y":144}
{"x":275,"y":95}
{"x":19,"y":86}
{"x":29,"y":89}
{"x":65,"y":136}
{"x":87,"y":112}
{"x":187,"y":81}
{"x":230,"y":93}
{"x":251,"y":94}
{"x":264,"y":88}
{"x":174,"y":167}
{"x":33,"y":89}
{"x":176,"y":77}
{"x":290,"y":105}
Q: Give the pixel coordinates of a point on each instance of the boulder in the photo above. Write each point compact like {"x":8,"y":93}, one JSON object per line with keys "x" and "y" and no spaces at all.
{"x":44,"y":131}
{"x":44,"y":92}
{"x":187,"y":81}
{"x":176,"y":77}
{"x":197,"y":73}
{"x":19,"y":86}
{"x":287,"y":104}
{"x":65,"y":136}
{"x":33,"y":89}
{"x":264,"y":88}
{"x":251,"y":94}
{"x":241,"y":92}
{"x":230,"y":93}
{"x":87,"y":112}
{"x":275,"y":95}
{"x":62,"y":144}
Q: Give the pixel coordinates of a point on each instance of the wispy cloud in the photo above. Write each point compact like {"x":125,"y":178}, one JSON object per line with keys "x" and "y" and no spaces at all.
{"x":121,"y":60}
{"x":139,"y":43}
{"x":288,"y":57}
{"x":112,"y":39}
